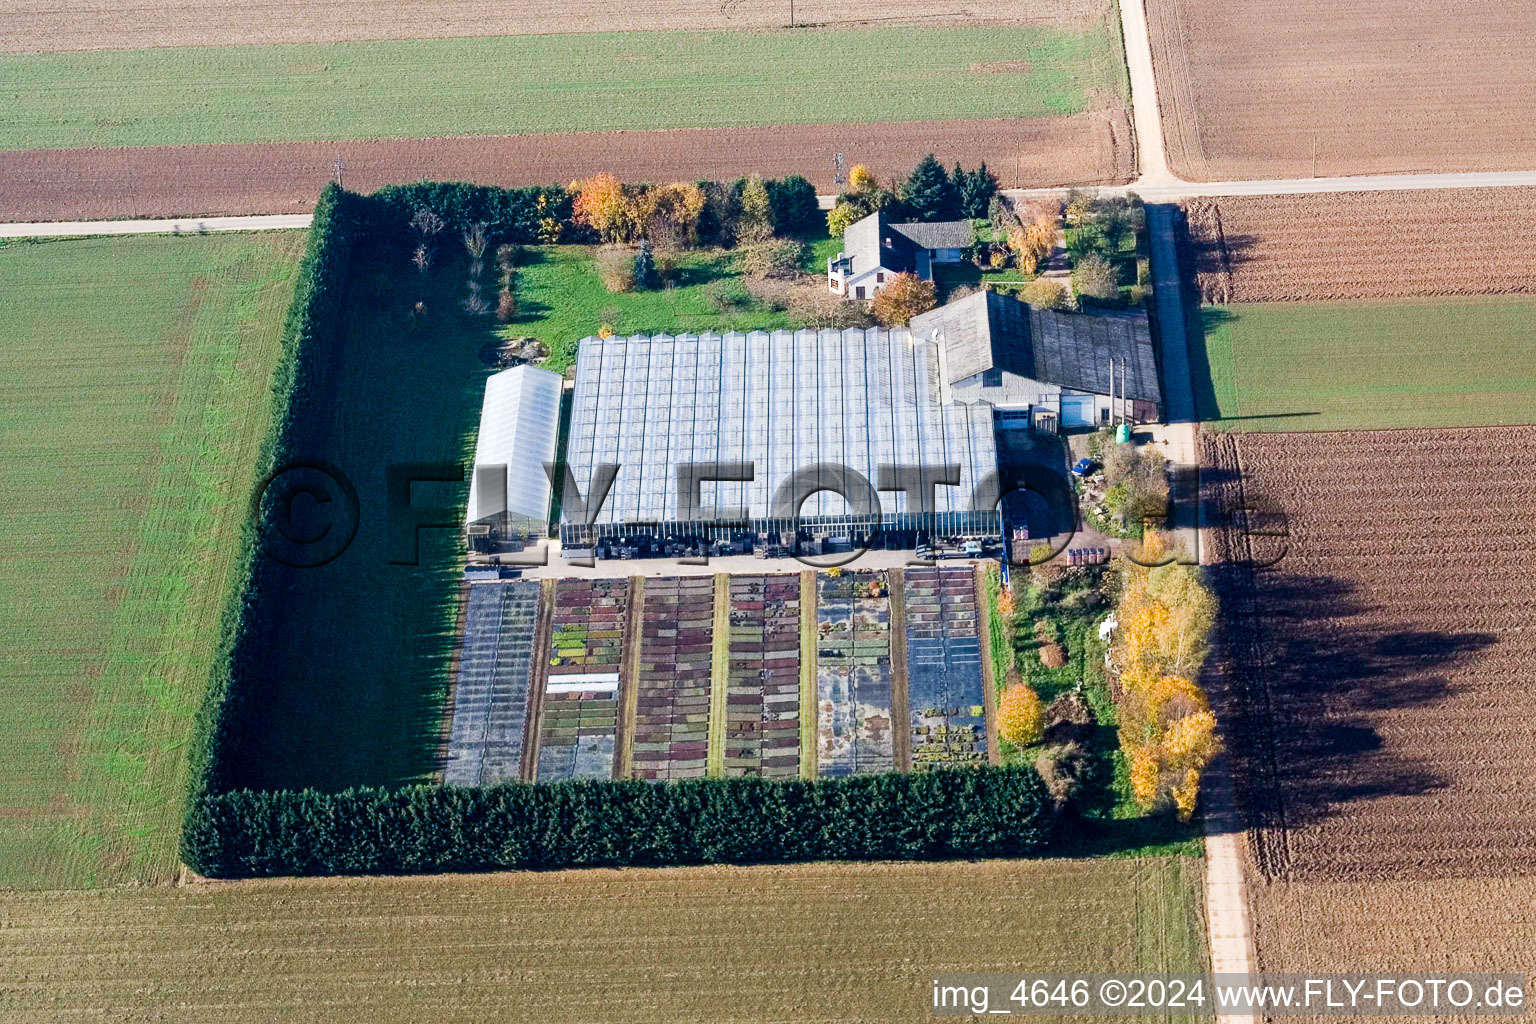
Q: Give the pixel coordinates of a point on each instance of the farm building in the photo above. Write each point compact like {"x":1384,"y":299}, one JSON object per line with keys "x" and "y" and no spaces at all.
{"x":785,"y":402}
{"x":509,"y":491}
{"x":874,"y":250}
{"x":1040,"y":365}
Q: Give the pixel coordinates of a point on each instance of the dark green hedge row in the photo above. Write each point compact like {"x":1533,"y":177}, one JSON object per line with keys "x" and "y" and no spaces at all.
{"x":987,"y":812}
{"x":515,"y":214}
{"x":311,"y":323}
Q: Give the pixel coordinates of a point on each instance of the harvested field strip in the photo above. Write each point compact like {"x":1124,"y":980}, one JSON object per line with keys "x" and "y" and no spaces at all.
{"x":512,"y":85}
{"x":762,"y":711}
{"x":671,"y":726}
{"x":1095,"y":147}
{"x":579,"y":719}
{"x":134,"y":385}
{"x":1363,"y":245}
{"x":946,"y":695}
{"x":1380,"y":686}
{"x":853,"y":674}
{"x":159,"y":23}
{"x":490,"y":707}
{"x":797,"y":944}
{"x":1280,"y":89}
{"x":1368,"y":365}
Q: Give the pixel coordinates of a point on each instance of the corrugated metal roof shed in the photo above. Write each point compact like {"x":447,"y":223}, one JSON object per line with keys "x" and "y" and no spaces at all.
{"x":988,"y":331}
{"x":519,"y":425}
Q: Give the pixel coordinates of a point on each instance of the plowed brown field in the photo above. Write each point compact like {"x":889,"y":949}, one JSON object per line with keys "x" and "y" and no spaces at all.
{"x":1386,"y":667}
{"x":1380,"y":694}
{"x":31,"y":25}
{"x":1363,"y":245}
{"x":1093,"y":147}
{"x":1280,"y":88}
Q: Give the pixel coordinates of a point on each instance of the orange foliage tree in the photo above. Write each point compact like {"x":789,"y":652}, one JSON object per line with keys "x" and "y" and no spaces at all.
{"x":903,"y":297}
{"x":602,"y":205}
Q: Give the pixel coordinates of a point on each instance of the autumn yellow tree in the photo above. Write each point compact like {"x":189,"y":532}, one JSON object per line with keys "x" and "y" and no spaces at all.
{"x":861,"y":180}
{"x":1167,"y":731}
{"x":670,"y":213}
{"x":601,"y":204}
{"x":1020,"y":715}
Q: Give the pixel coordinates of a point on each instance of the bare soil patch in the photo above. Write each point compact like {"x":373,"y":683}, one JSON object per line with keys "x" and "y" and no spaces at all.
{"x":1001,"y":67}
{"x":28,"y":26}
{"x":1376,"y":686}
{"x":1279,"y":88}
{"x":1363,"y":245}
{"x":1381,"y":684}
{"x":1088,"y":148}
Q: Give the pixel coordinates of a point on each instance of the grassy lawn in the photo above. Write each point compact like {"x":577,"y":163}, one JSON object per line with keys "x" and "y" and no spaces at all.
{"x":354,"y":681}
{"x":133,"y":396}
{"x":522,"y":84}
{"x":1362,"y":365}
{"x":561,"y":300}
{"x":816,"y":942}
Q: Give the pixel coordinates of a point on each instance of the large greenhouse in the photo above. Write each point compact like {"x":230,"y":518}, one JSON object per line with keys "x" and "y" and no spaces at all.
{"x":785,"y":402}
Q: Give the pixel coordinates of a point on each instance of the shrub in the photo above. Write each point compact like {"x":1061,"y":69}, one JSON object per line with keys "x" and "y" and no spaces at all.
{"x":1052,"y":654}
{"x":1068,"y":772}
{"x":729,"y":296}
{"x":1096,"y":278}
{"x":1045,"y":294}
{"x":980,"y":812}
{"x":645,"y":266}
{"x":506,"y":306}
{"x":903,"y":297}
{"x":507,"y":256}
{"x":1020,"y":716}
{"x":812,"y":305}
{"x":795,"y":208}
{"x":841,"y":216}
{"x":616,"y":267}
{"x":770,"y":294}
{"x":781,"y":258}
{"x":756,"y":221}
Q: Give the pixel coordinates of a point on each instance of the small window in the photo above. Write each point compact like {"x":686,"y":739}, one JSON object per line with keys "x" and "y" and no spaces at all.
{"x":879,"y":279}
{"x":858,"y":292}
{"x":992,"y":378}
{"x":1104,"y":415}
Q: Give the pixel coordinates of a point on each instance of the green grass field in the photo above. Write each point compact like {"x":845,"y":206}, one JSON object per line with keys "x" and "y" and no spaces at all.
{"x":795,"y":944}
{"x":354,"y":682}
{"x":133,"y":396}
{"x":573,"y":83}
{"x":1365,"y":365}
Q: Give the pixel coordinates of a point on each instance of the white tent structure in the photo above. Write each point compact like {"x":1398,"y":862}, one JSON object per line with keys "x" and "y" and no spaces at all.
{"x":509,"y":491}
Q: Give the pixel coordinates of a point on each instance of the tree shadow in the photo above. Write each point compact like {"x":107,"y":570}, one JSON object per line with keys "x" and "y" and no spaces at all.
{"x":1308,"y":670}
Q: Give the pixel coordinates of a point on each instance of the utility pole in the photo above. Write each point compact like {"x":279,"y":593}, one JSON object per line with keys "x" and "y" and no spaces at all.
{"x":1111,"y":390}
{"x":340,"y":168}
